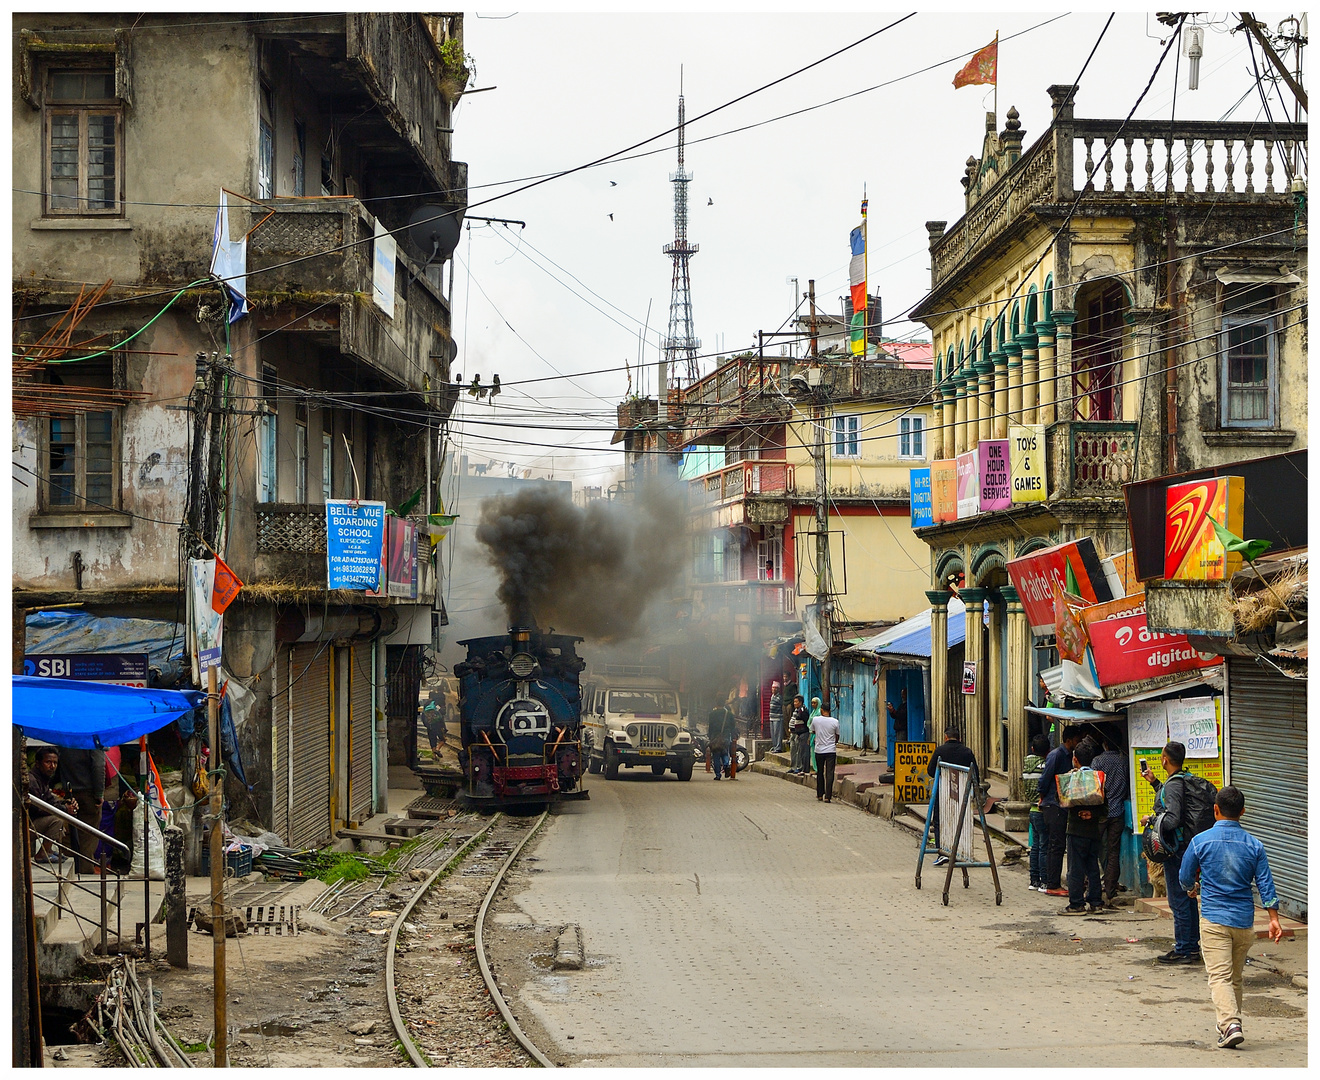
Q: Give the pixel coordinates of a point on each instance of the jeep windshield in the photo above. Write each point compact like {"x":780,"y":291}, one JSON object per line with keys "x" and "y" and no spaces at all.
{"x":643,"y":702}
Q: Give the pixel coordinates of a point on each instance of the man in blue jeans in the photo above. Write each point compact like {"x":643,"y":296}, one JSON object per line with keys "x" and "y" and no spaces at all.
{"x":1170,"y":799}
{"x":1228,"y":860}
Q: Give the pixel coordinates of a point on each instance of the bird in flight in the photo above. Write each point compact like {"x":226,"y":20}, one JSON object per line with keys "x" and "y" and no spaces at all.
{"x":710,"y":202}
{"x":611,"y":217}
{"x":613,"y":184}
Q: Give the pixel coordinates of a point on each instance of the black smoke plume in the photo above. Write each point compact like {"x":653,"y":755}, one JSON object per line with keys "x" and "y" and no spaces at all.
{"x":584,"y":570}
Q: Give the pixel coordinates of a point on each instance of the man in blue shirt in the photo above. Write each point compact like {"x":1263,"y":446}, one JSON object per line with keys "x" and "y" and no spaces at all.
{"x":1227,"y":860}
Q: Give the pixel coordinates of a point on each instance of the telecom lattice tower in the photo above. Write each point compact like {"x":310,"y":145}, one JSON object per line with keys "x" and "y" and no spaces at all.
{"x":681,"y":341}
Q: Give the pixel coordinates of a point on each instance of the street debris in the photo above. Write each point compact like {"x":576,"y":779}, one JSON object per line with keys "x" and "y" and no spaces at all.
{"x":126,"y":1016}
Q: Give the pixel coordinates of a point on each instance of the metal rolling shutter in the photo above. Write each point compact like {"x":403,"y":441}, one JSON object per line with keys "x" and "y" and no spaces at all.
{"x":279,"y":740}
{"x":309,"y":816}
{"x":1267,"y":762}
{"x":360,"y":719}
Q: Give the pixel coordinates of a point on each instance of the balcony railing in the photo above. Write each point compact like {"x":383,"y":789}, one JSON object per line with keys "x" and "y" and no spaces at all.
{"x":1093,"y":459}
{"x":736,"y":481}
{"x":760,"y":599}
{"x":337,"y":286}
{"x":1199,"y":162}
{"x":291,"y":527}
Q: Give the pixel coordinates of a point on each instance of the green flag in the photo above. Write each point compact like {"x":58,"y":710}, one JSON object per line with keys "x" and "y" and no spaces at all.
{"x":1235,"y":545}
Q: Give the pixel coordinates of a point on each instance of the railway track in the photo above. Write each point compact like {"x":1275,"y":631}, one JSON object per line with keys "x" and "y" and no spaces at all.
{"x":445,"y":1015}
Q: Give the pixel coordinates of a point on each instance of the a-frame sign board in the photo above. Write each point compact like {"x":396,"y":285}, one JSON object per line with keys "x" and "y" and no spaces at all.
{"x":951,"y":799}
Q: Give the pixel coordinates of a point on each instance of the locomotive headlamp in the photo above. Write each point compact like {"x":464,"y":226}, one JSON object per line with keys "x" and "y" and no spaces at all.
{"x":522,"y":664}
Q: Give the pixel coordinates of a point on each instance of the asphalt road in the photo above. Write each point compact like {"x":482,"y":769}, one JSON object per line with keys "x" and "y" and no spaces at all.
{"x":746,"y":924}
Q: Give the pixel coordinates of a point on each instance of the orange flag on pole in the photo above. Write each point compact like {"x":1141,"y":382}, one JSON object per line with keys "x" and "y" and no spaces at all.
{"x":983,"y":68}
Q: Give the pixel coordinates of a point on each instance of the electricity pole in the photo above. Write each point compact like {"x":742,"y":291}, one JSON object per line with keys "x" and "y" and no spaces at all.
{"x":824,"y":580}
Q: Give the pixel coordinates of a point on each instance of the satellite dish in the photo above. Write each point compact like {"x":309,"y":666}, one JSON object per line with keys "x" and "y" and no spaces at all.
{"x":434,"y":230}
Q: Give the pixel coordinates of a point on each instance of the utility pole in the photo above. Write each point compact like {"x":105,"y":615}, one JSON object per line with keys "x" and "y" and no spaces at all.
{"x":824,"y":579}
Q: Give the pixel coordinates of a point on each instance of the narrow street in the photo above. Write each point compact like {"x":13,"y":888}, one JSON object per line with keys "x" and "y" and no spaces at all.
{"x":748,"y":925}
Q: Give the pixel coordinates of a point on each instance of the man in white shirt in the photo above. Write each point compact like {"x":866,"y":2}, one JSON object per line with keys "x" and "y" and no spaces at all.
{"x":826,"y":730}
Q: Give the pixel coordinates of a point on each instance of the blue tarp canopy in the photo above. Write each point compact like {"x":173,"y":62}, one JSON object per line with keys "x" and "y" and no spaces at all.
{"x":91,"y":715}
{"x":78,"y":632}
{"x":911,"y":637}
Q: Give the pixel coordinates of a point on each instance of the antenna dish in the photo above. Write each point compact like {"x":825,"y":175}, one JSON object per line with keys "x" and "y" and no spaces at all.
{"x":434,"y":231}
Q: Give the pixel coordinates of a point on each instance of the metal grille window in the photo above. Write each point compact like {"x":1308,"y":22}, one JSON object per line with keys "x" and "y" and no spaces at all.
{"x":845,"y":436}
{"x":266,"y":437}
{"x":327,"y":466}
{"x":84,"y":130}
{"x":912,"y":437}
{"x":300,"y":462}
{"x":1248,"y":366}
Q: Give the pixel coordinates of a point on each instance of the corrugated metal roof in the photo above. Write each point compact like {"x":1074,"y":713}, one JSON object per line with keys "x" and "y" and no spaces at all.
{"x":911,"y":637}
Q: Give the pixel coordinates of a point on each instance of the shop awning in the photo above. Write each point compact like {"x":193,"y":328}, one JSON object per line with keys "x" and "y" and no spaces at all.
{"x":1076,"y":716}
{"x":911,"y":637}
{"x":92,"y":715}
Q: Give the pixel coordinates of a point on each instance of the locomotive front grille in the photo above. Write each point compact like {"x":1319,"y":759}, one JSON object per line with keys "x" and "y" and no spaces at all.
{"x":652,"y":736}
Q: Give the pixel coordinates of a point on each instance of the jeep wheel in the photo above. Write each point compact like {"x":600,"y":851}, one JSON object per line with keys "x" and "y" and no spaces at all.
{"x":611,"y":764}
{"x":657,"y":770}
{"x":684,"y":770}
{"x":740,"y":759}
{"x":593,"y":765}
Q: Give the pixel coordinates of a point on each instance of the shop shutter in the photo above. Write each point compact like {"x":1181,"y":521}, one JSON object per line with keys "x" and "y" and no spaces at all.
{"x":279,"y":744}
{"x":309,"y":814}
{"x":360,"y":719}
{"x":1267,"y":762}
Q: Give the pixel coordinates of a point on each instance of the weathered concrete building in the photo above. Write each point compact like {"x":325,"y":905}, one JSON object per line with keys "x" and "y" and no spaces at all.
{"x":326,"y":132}
{"x":1137,"y":292}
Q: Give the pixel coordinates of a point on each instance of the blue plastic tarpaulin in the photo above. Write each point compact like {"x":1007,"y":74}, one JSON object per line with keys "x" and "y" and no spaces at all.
{"x":64,"y":632}
{"x":91,"y":715}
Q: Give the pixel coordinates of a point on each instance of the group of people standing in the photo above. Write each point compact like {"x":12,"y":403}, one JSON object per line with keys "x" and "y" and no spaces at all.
{"x":1202,"y":849}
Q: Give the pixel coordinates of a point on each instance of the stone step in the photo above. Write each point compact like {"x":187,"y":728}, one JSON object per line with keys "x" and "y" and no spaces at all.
{"x":1159,"y":905}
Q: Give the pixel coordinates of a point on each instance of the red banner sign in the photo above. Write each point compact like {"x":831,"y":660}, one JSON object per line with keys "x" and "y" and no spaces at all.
{"x":1126,"y":650}
{"x":1034,"y":576}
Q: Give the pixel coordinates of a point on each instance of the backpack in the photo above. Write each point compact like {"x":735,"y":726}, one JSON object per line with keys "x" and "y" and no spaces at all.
{"x":1198,"y":811}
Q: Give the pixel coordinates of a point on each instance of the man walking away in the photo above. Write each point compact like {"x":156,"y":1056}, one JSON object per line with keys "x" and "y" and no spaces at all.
{"x":1110,"y":762}
{"x":1183,"y":807}
{"x":1228,"y":859}
{"x":797,"y":734}
{"x":954,"y":752}
{"x":776,"y":719}
{"x":1056,"y":817}
{"x":1084,"y":845}
{"x":83,"y":774}
{"x":826,"y":730}
{"x":718,"y":727}
{"x":1031,"y":766}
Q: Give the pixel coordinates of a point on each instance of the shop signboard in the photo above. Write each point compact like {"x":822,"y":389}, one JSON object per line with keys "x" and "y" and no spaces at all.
{"x":118,"y":669}
{"x":1126,"y":650}
{"x":401,"y":570}
{"x":953,"y":782}
{"x":969,"y":485}
{"x":385,"y":254}
{"x":355,"y":543}
{"x":1034,"y":576}
{"x":1152,"y":723}
{"x":944,"y":490}
{"x":1192,"y":548}
{"x":911,"y":782}
{"x":205,"y":623}
{"x":1026,"y":445}
{"x":919,"y":498}
{"x":996,"y":487}
{"x":969,"y":677}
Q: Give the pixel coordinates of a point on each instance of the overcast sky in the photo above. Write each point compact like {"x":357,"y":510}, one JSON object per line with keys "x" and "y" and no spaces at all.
{"x":767,"y":204}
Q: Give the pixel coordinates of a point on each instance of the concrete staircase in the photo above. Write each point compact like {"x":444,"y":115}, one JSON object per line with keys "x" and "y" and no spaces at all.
{"x":68,"y":918}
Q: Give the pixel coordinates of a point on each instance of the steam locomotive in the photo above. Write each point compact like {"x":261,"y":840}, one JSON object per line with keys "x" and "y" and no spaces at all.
{"x":521,"y":713}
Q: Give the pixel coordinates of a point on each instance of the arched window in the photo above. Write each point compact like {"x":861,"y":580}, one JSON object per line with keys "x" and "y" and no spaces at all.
{"x":1032,"y":317}
{"x":1014,"y":324}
